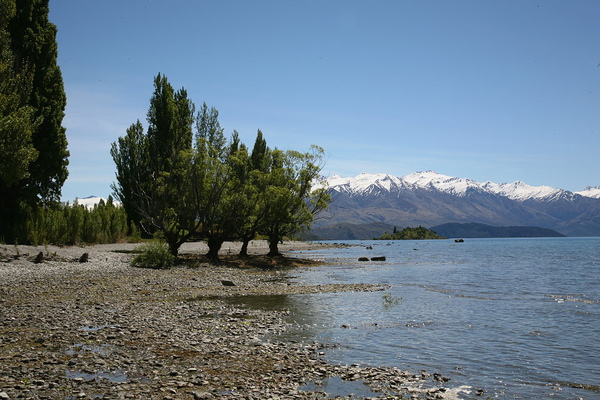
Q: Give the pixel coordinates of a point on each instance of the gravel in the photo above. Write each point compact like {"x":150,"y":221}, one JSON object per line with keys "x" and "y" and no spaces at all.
{"x":105,"y":330}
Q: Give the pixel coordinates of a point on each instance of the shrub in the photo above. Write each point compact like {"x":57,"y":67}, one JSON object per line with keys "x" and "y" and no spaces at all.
{"x":154,"y":255}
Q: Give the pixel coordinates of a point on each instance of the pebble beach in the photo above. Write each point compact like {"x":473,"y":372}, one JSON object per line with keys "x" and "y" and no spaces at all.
{"x":102,"y":329}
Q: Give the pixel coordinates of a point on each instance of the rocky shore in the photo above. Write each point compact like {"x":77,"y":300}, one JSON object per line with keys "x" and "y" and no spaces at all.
{"x":102,"y":329}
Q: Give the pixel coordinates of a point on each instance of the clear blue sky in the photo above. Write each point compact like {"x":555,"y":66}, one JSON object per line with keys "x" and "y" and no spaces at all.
{"x":487,"y":90}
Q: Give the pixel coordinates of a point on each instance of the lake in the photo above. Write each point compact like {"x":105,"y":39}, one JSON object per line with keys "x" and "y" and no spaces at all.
{"x":518,"y":317}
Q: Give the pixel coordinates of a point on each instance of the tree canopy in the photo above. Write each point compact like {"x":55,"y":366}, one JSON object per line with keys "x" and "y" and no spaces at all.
{"x":180,"y":184}
{"x":33,"y":144}
{"x":408,"y":233}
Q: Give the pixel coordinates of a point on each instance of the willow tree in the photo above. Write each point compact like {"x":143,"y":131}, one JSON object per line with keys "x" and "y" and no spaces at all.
{"x":289,"y":201}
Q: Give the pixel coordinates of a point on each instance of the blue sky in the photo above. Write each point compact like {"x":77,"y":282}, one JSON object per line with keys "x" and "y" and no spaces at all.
{"x":486,"y":90}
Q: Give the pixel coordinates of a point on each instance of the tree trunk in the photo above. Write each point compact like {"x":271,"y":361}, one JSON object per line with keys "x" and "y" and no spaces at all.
{"x":273,"y":247}
{"x":244,"y":249}
{"x":174,"y":247}
{"x":214,"y":245}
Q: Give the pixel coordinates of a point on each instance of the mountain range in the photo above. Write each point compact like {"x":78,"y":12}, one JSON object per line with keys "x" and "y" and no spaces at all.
{"x":367,"y":205}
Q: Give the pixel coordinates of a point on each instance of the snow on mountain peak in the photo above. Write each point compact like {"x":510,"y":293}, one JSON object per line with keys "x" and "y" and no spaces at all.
{"x":91,"y":201}
{"x":362,"y":182}
{"x":443,"y":183}
{"x":590,"y":192}
{"x":365,"y":183}
{"x":521,"y":191}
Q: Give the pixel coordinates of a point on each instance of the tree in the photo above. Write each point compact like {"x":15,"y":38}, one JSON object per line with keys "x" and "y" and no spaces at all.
{"x":154,"y":174}
{"x":254,"y":188}
{"x":212,"y":180}
{"x":211,"y":189}
{"x":289,"y":201}
{"x":33,"y":43}
{"x":33,"y":145}
{"x":17,"y":121}
{"x":130,"y":154}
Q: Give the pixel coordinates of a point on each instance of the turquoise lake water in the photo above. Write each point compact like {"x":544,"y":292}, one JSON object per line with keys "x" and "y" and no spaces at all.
{"x":519,"y":318}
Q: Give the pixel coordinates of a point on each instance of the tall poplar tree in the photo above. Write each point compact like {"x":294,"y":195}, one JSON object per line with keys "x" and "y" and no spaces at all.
{"x":33,"y":102}
{"x":33,"y":43}
{"x":16,"y":117}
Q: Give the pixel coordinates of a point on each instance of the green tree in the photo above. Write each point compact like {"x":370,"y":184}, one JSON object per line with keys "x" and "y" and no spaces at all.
{"x":154,"y":174}
{"x":289,"y":201}
{"x":211,"y":181}
{"x":131,"y":156}
{"x":254,"y":189}
{"x":33,"y":145}
{"x":33,"y":43}
{"x":16,"y":117}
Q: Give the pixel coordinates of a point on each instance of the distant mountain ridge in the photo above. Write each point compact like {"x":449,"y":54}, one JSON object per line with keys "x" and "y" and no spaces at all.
{"x":366,"y":183}
{"x":427,"y":198}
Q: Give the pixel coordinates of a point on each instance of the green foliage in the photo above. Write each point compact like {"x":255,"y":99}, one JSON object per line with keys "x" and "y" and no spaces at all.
{"x":156,"y":255}
{"x":76,"y":224}
{"x":408,"y":233}
{"x":179,"y":186}
{"x":33,"y":42}
{"x":155,"y":170}
{"x":33,"y":144}
{"x":130,"y":155}
{"x":290,"y":203}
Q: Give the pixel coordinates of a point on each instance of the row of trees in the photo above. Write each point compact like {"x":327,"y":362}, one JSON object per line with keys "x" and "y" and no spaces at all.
{"x":75,"y":224}
{"x":183,"y":178}
{"x":33,"y":144}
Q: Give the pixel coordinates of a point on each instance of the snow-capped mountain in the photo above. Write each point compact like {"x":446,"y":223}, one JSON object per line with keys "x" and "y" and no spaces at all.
{"x":91,"y":201}
{"x":428,"y":198}
{"x":365,"y":183}
{"x":590,"y":192}
{"x":443,"y":183}
{"x":521,"y":191}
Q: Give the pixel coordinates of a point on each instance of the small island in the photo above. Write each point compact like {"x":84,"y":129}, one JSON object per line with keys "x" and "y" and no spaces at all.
{"x":418,"y":233}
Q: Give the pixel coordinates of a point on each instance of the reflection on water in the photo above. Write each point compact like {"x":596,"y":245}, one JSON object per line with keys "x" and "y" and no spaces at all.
{"x":337,"y":387}
{"x":275,"y":302}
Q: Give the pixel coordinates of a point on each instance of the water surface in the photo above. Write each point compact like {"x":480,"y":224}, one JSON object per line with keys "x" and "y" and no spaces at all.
{"x":517,"y":317}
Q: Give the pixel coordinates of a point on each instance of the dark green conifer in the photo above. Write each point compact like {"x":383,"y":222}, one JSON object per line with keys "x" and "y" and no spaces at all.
{"x":34,"y":151}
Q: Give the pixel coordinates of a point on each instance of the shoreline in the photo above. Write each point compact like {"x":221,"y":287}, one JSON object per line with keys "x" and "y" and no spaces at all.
{"x":103,"y":329}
